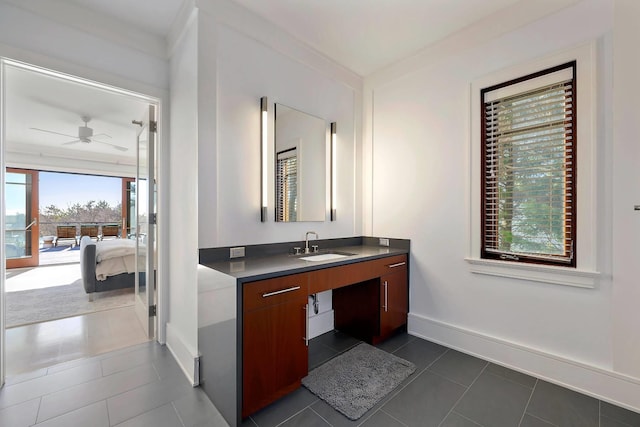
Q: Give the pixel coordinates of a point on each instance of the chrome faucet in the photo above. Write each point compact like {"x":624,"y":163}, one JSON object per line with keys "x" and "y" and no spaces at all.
{"x":306,"y":242}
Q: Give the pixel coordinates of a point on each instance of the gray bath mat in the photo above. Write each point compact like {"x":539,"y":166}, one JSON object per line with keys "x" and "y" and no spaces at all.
{"x":355,"y":381}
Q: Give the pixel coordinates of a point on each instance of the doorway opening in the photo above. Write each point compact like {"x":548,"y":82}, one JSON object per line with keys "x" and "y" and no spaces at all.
{"x":60,"y":128}
{"x":44,"y":280}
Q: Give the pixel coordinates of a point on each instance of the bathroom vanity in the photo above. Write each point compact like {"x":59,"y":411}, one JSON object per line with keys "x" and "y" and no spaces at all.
{"x":253,"y":313}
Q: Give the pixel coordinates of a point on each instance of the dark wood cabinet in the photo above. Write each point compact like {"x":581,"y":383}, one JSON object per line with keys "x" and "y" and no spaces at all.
{"x":370,"y":301}
{"x":394,"y":298}
{"x":275,"y":351}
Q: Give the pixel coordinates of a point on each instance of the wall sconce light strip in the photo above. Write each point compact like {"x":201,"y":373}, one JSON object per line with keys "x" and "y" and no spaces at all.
{"x":263,"y":154}
{"x":333,"y":171}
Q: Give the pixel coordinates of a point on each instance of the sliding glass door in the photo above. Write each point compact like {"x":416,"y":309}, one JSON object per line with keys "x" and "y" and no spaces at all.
{"x":21,"y":234}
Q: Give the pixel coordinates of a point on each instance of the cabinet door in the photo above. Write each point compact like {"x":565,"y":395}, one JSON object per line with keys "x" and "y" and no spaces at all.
{"x":275,"y":354}
{"x":394,"y":300}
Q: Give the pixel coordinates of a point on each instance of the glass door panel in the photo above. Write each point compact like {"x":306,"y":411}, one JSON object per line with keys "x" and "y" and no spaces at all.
{"x":142,"y":202}
{"x":21,"y":232}
{"x":129,"y":216}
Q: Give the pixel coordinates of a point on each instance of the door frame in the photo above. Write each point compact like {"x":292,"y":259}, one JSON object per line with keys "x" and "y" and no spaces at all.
{"x":3,"y":168}
{"x":103,"y":81}
{"x":33,"y":260}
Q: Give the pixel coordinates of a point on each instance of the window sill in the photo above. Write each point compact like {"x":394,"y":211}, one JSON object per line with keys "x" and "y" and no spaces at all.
{"x":535,"y":272}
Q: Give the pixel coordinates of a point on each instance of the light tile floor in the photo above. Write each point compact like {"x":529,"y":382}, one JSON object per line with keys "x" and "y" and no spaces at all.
{"x":40,"y":345}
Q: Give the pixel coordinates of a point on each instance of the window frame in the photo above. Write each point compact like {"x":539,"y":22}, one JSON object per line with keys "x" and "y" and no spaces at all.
{"x":283,"y":207}
{"x":585,"y":274}
{"x":570,"y":187}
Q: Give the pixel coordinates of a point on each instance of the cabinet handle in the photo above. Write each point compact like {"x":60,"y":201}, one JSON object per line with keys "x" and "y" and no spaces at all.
{"x":399,"y":264}
{"x":281,"y":291}
{"x":386,"y":296}
{"x":306,"y":325}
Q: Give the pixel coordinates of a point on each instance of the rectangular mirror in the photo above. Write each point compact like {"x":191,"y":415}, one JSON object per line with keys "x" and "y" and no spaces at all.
{"x":301,"y":165}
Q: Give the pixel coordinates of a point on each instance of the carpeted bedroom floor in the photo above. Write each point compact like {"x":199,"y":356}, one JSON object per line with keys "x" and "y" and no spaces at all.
{"x":54,"y":292}
{"x":23,"y":279}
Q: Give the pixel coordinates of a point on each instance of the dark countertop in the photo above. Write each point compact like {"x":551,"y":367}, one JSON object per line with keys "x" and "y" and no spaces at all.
{"x":258,"y":268}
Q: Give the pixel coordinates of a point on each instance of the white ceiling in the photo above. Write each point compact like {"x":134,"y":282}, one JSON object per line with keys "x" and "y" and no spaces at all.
{"x":35,"y":100}
{"x":366,"y":35}
{"x":361,"y":35}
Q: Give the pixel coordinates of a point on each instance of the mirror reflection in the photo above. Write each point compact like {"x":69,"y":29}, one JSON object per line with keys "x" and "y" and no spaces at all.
{"x":300,"y":142}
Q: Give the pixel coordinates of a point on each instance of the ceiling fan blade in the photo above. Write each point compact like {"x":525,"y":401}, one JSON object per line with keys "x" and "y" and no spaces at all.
{"x":71,"y":142}
{"x":117,"y":147}
{"x":55,"y":133}
{"x":102,"y":134}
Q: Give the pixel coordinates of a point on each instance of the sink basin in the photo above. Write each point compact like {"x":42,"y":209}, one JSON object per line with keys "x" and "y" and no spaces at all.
{"x":326,"y":256}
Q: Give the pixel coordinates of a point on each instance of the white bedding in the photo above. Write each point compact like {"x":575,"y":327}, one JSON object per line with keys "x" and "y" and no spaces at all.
{"x":107,"y":249}
{"x":113,"y":266}
{"x":115,"y":257}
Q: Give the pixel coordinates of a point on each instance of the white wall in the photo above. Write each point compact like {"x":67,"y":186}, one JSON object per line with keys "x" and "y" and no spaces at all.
{"x":182,"y":326}
{"x":241,"y":59}
{"x":42,"y":40}
{"x":626,"y":191}
{"x":419,"y":118}
{"x":245,"y":65}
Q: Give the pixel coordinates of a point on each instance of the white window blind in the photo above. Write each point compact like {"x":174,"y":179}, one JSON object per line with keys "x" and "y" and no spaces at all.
{"x":529,"y":165}
{"x":287,"y":185}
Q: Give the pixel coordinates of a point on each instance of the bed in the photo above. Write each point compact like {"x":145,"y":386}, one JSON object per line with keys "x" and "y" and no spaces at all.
{"x":107,"y":265}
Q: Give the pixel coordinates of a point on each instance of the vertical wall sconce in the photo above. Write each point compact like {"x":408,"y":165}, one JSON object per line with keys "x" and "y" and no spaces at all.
{"x":263,"y":157}
{"x":333,"y":171}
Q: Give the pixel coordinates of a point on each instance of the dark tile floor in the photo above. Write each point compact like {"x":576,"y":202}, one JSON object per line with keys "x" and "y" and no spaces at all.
{"x":448,"y":389}
{"x":143,"y":386}
{"x":139,"y":386}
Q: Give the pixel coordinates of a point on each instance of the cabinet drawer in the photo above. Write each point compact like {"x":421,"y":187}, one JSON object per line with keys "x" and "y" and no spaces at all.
{"x":268,"y":292}
{"x":336,"y":277}
{"x":391,"y":265}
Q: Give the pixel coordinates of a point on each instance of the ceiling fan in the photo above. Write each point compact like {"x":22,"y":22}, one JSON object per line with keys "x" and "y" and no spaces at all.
{"x":85,"y":134}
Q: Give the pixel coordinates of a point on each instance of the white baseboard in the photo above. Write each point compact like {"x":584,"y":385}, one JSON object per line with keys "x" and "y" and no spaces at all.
{"x":610,"y":386}
{"x":184,"y":354}
{"x":320,"y":324}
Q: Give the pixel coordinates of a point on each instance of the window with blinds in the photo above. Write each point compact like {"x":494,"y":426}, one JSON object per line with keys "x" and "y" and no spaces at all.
{"x":287,"y":185}
{"x":529,"y":168}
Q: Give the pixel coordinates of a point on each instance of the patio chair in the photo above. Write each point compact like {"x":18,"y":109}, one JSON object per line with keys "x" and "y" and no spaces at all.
{"x":66,"y":232}
{"x":110,"y":230}
{"x":89,"y":230}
